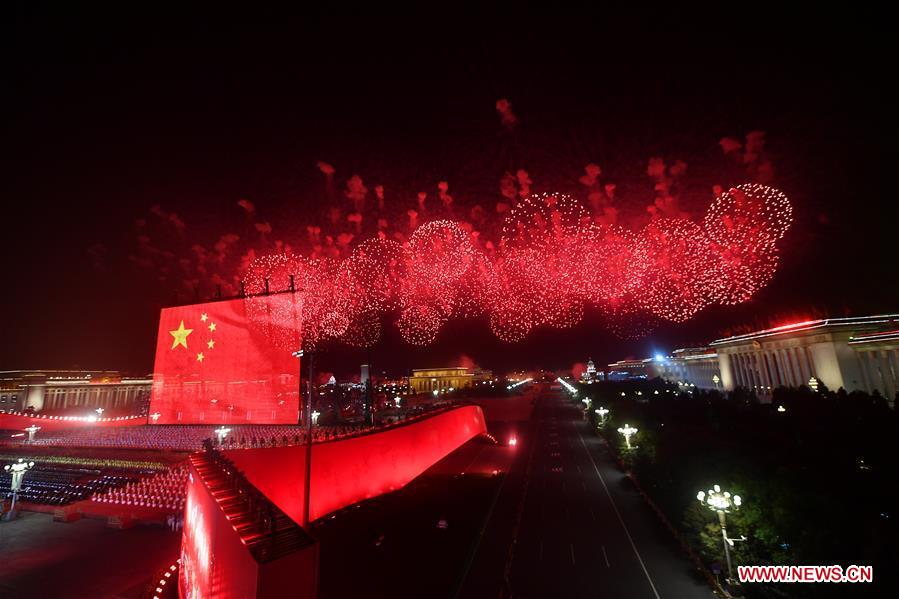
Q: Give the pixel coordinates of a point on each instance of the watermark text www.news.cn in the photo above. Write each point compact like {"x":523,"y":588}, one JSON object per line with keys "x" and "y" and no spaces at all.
{"x":749,"y":574}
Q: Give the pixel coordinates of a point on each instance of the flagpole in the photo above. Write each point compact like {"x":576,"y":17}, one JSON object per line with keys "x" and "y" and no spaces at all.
{"x":308,"y":416}
{"x":307,"y":420}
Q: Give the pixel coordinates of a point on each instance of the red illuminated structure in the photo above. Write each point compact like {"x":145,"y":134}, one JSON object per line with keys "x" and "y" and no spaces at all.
{"x":232,"y":548}
{"x":228,"y":550}
{"x":213,"y":365}
{"x":351,"y":470}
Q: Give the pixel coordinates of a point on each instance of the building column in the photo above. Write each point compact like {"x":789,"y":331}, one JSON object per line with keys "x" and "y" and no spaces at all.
{"x":748,"y":374}
{"x":744,"y":374}
{"x":889,"y":384}
{"x":863,"y":368}
{"x":780,"y":376}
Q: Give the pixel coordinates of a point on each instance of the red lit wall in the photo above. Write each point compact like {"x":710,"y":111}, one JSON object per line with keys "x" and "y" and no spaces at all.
{"x":18,"y":422}
{"x":350,"y":470}
{"x":215,"y":563}
{"x":213,"y":365}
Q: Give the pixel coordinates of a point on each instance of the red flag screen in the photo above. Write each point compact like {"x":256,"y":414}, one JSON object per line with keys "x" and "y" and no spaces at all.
{"x":214,"y":365}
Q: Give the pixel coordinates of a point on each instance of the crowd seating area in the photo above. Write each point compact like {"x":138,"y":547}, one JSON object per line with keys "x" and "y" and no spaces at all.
{"x":190,"y":437}
{"x":165,"y":490}
{"x":50,"y":485}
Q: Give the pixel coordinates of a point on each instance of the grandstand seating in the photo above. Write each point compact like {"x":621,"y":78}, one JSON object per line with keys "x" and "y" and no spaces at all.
{"x":61,"y":486}
{"x":190,"y":437}
{"x":164,"y":490}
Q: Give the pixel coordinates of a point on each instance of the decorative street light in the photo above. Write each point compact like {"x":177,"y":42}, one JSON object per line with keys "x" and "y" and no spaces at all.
{"x":813,"y":384}
{"x":628,"y":431}
{"x":602,"y":413}
{"x":315,"y":415}
{"x":155,"y":416}
{"x":722,"y":502}
{"x":31,"y":430}
{"x":397,"y":400}
{"x":99,"y":412}
{"x":18,"y":470}
{"x":221,"y":433}
{"x":716,"y":379}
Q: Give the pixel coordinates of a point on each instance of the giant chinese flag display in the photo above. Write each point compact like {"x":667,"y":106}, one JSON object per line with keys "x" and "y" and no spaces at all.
{"x":216,"y":366}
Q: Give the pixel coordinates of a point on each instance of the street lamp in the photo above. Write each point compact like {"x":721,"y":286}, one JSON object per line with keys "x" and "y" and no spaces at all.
{"x":18,"y":470}
{"x":722,"y":502}
{"x":315,"y":415}
{"x":628,"y":431}
{"x":813,"y":384}
{"x":221,"y":433}
{"x":99,"y":412}
{"x":155,"y":416}
{"x":307,"y":420}
{"x":602,"y":413}
{"x":31,"y":430}
{"x":716,"y":379}
{"x":397,"y":400}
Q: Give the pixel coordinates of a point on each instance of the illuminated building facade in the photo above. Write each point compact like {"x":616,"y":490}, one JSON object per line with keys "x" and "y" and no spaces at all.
{"x":631,"y":369}
{"x":859,"y":353}
{"x":689,"y":366}
{"x":64,"y":390}
{"x":428,"y":380}
{"x":590,"y":374}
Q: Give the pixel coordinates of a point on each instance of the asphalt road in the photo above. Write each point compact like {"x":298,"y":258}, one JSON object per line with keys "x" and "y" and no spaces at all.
{"x":567,"y":523}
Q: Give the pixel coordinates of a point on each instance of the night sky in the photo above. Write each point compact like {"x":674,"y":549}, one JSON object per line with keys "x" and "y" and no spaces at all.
{"x":110,"y":113}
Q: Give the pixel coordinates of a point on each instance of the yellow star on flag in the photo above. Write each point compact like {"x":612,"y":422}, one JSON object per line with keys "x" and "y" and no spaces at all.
{"x":200,"y":357}
{"x":210,"y":344}
{"x":180,"y":336}
{"x":204,"y":317}
{"x":212,"y":326}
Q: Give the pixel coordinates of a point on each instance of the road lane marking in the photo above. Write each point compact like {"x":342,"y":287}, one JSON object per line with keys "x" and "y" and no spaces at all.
{"x":620,"y":519}
{"x":606,"y":557}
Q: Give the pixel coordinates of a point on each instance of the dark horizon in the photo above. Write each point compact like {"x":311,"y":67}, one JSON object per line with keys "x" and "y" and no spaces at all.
{"x":113,"y":114}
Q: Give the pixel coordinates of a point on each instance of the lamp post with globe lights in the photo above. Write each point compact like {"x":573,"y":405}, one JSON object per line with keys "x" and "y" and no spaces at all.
{"x":722,"y":502}
{"x":31,"y":430}
{"x":221,"y":433}
{"x":628,"y":431}
{"x":602,"y":412}
{"x":17,"y":470}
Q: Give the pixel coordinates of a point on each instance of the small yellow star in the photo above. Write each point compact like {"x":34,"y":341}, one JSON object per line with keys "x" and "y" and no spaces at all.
{"x":204,"y":317}
{"x":200,"y":357}
{"x":180,"y":334}
{"x":210,"y":344}
{"x":212,"y":326}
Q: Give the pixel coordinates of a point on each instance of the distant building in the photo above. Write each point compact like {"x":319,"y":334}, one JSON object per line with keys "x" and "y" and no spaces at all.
{"x":623,"y":370}
{"x":62,"y":390}
{"x":481,"y":375}
{"x":590,"y":375}
{"x":859,"y":353}
{"x":689,"y":366}
{"x":427,"y":380}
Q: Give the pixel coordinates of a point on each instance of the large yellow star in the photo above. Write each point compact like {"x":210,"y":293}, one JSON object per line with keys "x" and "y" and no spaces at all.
{"x":180,"y":334}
